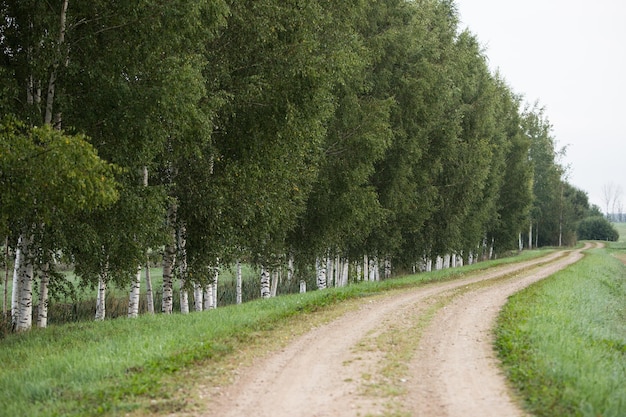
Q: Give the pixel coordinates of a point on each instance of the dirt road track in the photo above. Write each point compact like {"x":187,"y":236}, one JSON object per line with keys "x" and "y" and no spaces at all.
{"x":333,"y":370}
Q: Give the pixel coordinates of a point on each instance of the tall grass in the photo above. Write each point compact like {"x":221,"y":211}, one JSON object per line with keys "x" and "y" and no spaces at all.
{"x":563,"y":340}
{"x":108,"y":368}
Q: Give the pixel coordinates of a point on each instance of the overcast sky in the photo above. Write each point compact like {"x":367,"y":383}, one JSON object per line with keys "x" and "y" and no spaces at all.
{"x":569,"y":55}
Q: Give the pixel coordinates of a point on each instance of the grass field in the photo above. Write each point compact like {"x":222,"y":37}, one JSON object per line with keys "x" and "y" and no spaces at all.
{"x":117,"y":366}
{"x":563,"y":340}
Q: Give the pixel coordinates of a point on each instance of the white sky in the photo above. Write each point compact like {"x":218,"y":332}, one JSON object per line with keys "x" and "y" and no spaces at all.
{"x":569,"y":55}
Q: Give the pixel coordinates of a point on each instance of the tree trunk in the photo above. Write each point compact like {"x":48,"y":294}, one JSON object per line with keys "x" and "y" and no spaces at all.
{"x":239,"y":285}
{"x":345,"y":272}
{"x":321,"y":273}
{"x":169,"y":260}
{"x":16,"y":282}
{"x":101,"y":298}
{"x":366,"y":268}
{"x":149,"y":292}
{"x":265,"y":284}
{"x":6,"y":278}
{"x":275,"y":276}
{"x":133,"y":299}
{"x":55,"y":67}
{"x":182,"y":269}
{"x":198,"y":299}
{"x":214,"y":287}
{"x":302,"y":286}
{"x":23,"y":318}
{"x":42,"y":310}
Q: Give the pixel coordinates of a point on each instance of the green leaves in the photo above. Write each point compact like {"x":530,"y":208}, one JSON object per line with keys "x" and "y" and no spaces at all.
{"x":47,"y":174}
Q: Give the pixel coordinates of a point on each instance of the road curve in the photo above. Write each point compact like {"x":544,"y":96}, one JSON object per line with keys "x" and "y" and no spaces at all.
{"x":453,"y":372}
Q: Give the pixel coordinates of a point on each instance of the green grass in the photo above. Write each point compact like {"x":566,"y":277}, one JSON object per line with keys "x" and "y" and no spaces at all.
{"x":563,"y":340}
{"x":117,"y":366}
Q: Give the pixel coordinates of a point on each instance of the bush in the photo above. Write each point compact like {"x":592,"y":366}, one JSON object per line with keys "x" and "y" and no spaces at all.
{"x":597,"y":228}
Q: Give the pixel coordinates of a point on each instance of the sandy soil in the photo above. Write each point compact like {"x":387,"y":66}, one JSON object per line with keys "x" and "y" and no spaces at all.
{"x":453,"y":370}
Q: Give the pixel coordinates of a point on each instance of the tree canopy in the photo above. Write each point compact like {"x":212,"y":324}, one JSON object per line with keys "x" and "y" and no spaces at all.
{"x":265,"y":129}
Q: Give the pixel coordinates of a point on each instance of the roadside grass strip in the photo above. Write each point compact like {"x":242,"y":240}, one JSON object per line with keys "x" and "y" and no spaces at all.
{"x":562,"y":340}
{"x":125,"y":366}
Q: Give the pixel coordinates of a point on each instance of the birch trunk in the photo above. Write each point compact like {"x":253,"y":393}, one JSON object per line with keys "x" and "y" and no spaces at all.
{"x":6,"y":278}
{"x":302,"y":286}
{"x":265,"y":284}
{"x":344,"y":274}
{"x":530,"y":235}
{"x":275,"y":276}
{"x":366,"y":268}
{"x":169,"y":261}
{"x":23,"y":318}
{"x":239,"y":285}
{"x":214,"y":287}
{"x":182,"y":270}
{"x":169,"y":257}
{"x":101,"y":298}
{"x":208,"y":296}
{"x":42,"y":310}
{"x":16,"y":282}
{"x":133,"y":299}
{"x":321,"y":274}
{"x":55,"y":67}
{"x":198,"y":297}
{"x":290,"y":268}
{"x":149,"y":292}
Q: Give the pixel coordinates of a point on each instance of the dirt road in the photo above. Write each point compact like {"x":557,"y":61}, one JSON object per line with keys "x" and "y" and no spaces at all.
{"x":422,"y":352}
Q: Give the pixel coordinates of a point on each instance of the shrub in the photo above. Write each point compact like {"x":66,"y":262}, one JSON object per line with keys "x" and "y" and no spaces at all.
{"x":597,"y":228}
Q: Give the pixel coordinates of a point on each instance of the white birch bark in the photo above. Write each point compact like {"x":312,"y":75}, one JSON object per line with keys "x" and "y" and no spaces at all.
{"x":42,"y":308}
{"x":366,"y":268}
{"x":101,"y":298}
{"x":387,"y":269}
{"x":182,"y":270}
{"x":55,"y":67}
{"x":344,"y":274}
{"x":321,"y":273}
{"x":376,"y":271}
{"x":208,"y":296}
{"x":169,"y":258}
{"x":265,"y":284}
{"x":290,"y":268}
{"x":358,"y":271}
{"x":239,"y":284}
{"x":149,"y":291}
{"x":275,"y":277}
{"x":133,"y":298}
{"x":198,"y":297}
{"x":6,"y":277}
{"x":23,"y":318}
{"x":530,"y":235}
{"x":15,"y":289}
{"x":213,"y":289}
{"x":330,"y":282}
{"x":169,"y":262}
{"x":302,"y":286}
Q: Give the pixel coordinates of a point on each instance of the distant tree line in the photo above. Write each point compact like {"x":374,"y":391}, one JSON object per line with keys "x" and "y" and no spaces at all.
{"x":353,"y":136}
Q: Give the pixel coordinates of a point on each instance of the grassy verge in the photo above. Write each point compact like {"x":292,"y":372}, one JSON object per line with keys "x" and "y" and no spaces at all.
{"x":563,"y":340}
{"x":118,"y":366}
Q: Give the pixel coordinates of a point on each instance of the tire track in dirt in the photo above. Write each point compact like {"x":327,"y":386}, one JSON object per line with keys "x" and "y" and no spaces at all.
{"x":321,"y":373}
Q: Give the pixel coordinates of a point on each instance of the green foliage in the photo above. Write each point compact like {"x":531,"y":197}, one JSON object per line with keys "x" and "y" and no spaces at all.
{"x":597,"y":228}
{"x":47,"y":176}
{"x":562,"y":340}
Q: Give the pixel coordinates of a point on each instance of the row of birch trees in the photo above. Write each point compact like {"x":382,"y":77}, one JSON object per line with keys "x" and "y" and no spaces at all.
{"x":345,"y":139}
